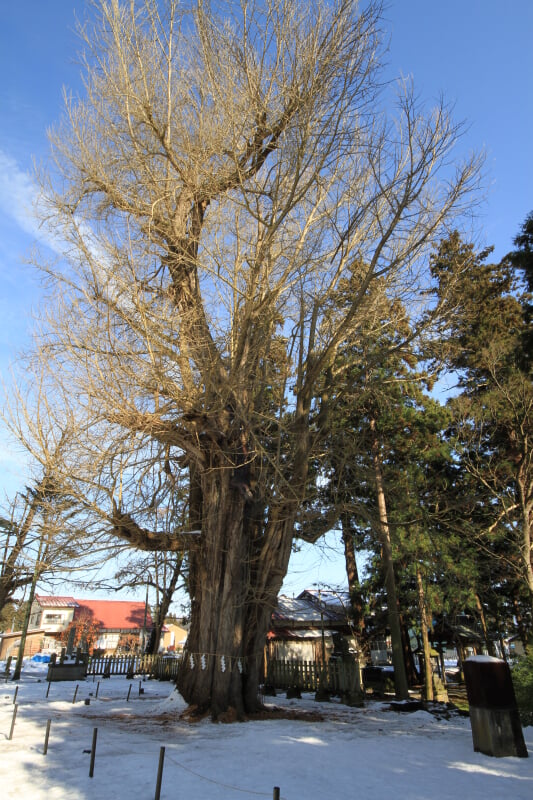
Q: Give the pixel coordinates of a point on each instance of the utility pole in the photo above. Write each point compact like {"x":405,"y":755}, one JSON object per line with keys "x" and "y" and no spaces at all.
{"x":143,"y":645}
{"x":43,"y":490}
{"x":25,"y":625}
{"x":322,"y":627}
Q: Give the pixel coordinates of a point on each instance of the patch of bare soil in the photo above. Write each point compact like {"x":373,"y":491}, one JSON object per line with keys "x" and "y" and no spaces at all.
{"x":191,"y":714}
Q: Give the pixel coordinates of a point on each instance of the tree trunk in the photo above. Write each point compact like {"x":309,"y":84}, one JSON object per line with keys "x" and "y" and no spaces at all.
{"x":352,"y":574}
{"x":411,"y":673}
{"x":488,"y":643}
{"x":37,"y":572}
{"x":424,"y":624}
{"x":526,"y":509}
{"x":461,"y":659}
{"x":400,"y":677}
{"x":235,"y":574}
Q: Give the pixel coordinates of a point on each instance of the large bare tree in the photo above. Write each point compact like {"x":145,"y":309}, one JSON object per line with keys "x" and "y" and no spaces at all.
{"x":225,"y":171}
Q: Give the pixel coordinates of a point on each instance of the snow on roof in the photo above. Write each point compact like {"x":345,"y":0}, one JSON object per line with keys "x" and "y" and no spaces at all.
{"x":338,"y":601}
{"x":55,"y":602}
{"x":334,"y":605}
{"x":116,"y":614}
{"x":306,"y":633}
{"x":301,"y":610}
{"x":295,"y":610}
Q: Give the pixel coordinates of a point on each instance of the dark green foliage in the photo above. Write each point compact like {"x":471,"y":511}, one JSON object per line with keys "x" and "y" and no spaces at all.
{"x":522,"y":674}
{"x":12,"y":615}
{"x":522,"y":260}
{"x":492,"y":427}
{"x":383,"y":409}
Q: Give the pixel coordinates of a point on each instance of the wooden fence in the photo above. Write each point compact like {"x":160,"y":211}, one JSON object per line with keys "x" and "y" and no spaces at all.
{"x":157,"y":666}
{"x":336,"y":677}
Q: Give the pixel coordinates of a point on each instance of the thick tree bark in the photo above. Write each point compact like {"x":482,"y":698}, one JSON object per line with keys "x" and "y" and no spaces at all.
{"x":235,"y":574}
{"x":218,"y":582}
{"x":234,"y":580}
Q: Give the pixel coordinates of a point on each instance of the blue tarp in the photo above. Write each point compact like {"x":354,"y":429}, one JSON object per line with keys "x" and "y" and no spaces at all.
{"x":42,"y":657}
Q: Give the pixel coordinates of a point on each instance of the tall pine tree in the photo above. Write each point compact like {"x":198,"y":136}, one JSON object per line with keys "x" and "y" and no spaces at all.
{"x":493,"y":413}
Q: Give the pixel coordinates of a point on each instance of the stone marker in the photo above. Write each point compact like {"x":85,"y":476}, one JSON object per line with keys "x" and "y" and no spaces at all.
{"x":494,"y":718}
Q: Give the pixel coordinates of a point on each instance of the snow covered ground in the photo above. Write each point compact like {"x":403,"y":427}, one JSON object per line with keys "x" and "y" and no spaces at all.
{"x":368,"y":753}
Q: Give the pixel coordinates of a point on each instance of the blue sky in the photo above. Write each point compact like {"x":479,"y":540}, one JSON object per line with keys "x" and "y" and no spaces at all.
{"x":479,"y":53}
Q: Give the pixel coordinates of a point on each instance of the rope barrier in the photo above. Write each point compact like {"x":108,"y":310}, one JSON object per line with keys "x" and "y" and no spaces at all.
{"x":121,"y":665}
{"x":219,"y":783}
{"x":106,"y":723}
{"x":224,"y":662}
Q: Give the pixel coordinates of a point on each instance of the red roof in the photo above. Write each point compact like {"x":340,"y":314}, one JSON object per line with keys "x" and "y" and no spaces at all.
{"x":116,"y":614}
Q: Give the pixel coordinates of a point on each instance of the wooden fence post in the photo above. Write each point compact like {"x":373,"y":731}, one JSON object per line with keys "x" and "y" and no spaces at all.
{"x":335,"y":677}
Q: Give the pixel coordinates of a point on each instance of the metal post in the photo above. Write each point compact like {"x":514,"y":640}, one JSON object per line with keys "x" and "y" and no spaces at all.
{"x":159,"y":773}
{"x":93,"y":753}
{"x":47,"y":736}
{"x":276,"y":793}
{"x":13,"y":722}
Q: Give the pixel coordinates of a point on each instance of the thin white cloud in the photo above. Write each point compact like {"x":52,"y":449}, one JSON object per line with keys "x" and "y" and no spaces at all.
{"x":19,"y":201}
{"x":18,"y":193}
